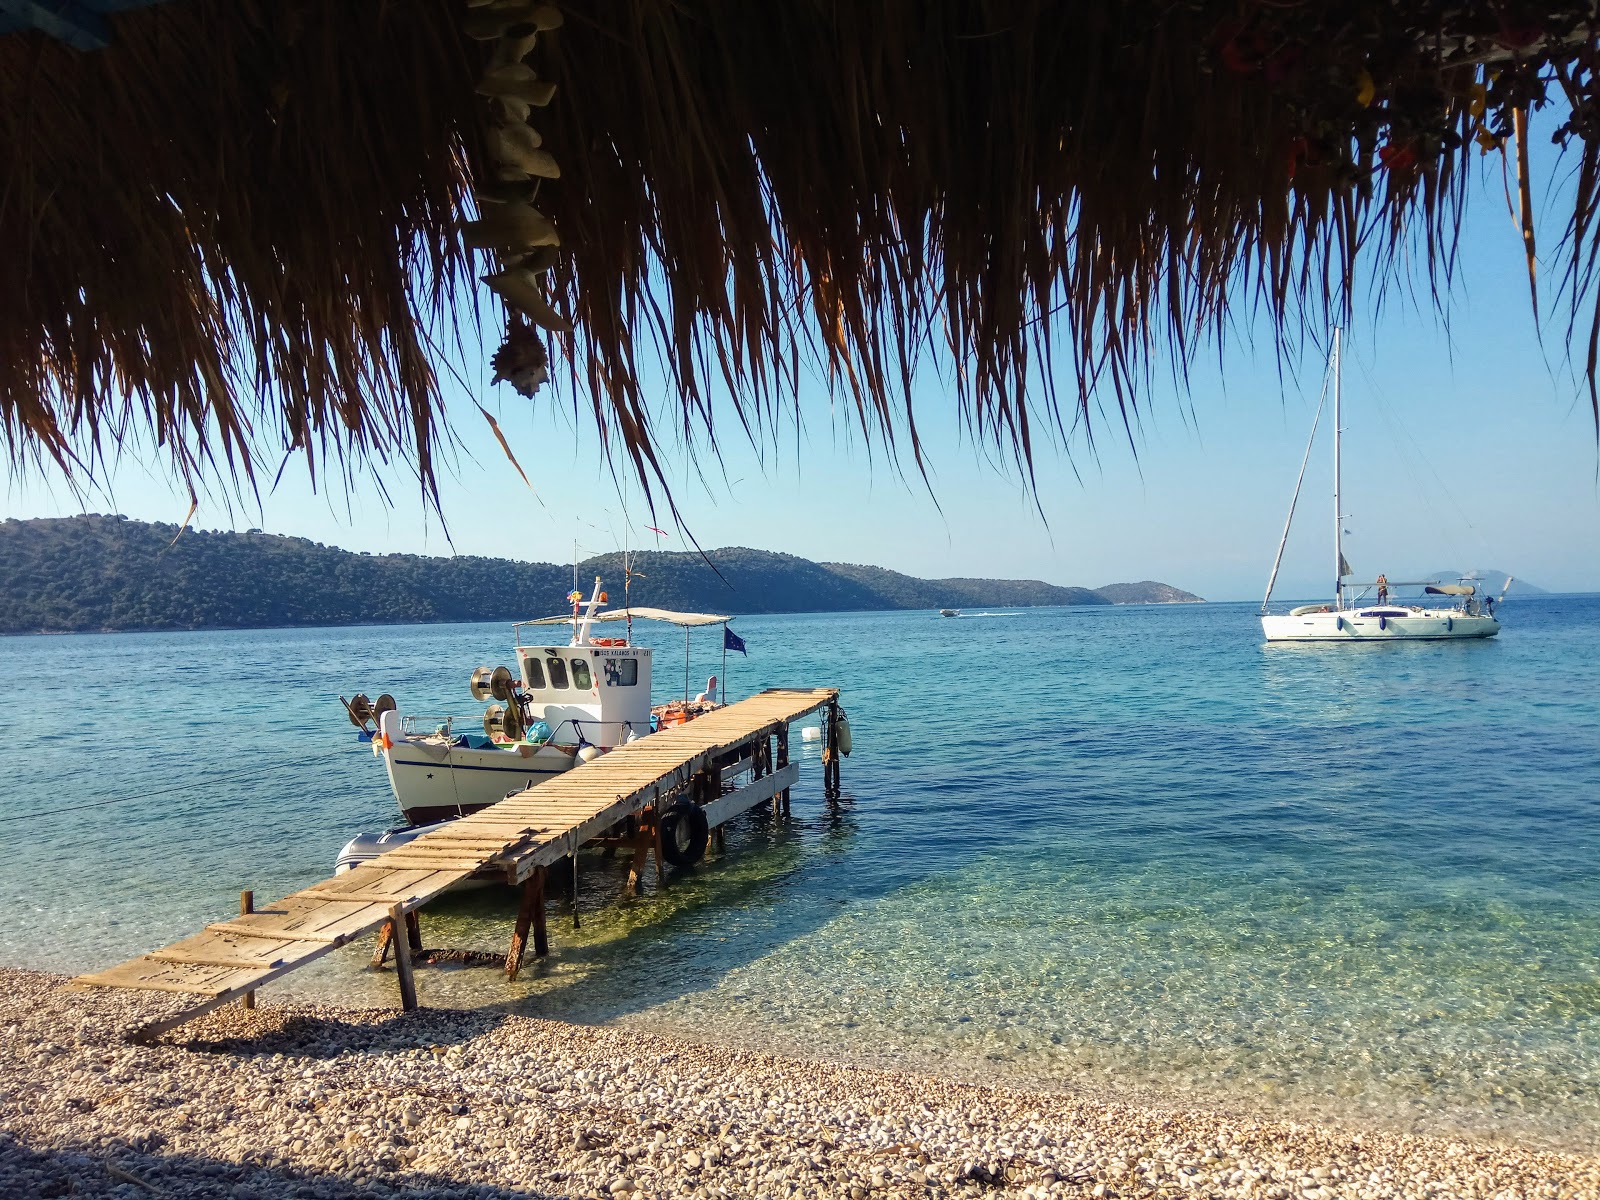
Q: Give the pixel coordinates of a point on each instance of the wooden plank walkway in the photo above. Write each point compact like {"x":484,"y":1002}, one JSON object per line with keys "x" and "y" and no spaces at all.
{"x":520,"y":835}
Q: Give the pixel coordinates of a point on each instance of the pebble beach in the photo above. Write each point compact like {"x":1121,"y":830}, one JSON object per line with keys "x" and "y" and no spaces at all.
{"x":310,"y":1101}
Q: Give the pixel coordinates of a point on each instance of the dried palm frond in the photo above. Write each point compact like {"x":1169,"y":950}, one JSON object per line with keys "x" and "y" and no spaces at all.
{"x":235,"y":227}
{"x":240,"y":222}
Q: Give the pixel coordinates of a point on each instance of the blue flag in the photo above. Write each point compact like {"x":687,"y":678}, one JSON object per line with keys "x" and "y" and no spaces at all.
{"x":732,"y":641}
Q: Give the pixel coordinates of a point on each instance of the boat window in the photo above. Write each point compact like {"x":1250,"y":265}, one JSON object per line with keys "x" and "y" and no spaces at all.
{"x":622,"y":672}
{"x":534,"y":673}
{"x":580,"y":675}
{"x":558,"y":673}
{"x":1384,"y":612}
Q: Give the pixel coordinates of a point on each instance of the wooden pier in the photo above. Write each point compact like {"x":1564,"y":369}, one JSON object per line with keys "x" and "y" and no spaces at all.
{"x":520,"y":837}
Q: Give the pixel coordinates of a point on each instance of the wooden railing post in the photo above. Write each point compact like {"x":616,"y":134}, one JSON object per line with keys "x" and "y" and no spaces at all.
{"x":247,"y":905}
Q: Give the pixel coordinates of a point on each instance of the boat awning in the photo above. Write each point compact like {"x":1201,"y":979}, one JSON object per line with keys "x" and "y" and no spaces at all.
{"x":1451,"y":589}
{"x":684,"y":619}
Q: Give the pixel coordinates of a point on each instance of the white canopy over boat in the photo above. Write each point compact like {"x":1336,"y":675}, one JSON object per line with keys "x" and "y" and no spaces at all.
{"x":684,"y":620}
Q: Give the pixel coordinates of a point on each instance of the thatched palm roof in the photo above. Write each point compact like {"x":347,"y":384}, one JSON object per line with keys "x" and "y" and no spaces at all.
{"x":235,"y":230}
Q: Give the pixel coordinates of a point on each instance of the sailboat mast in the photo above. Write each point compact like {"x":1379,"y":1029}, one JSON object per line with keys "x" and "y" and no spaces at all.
{"x":1338,"y":508}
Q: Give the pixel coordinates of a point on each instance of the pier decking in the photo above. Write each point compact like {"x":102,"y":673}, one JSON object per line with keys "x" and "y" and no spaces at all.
{"x":520,"y":836}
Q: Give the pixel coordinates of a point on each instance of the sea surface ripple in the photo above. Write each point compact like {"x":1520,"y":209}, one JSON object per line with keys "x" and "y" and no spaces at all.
{"x":1128,"y":850}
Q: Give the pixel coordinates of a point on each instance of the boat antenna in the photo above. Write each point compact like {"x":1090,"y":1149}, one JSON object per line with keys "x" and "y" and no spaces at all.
{"x":1277,"y":562}
{"x":1339,"y":567}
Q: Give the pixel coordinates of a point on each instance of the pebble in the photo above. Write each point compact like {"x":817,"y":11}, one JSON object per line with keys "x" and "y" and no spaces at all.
{"x":293,"y":1100}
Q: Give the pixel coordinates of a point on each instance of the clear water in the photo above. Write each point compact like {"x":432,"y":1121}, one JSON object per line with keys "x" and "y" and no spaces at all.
{"x":1131,"y":850}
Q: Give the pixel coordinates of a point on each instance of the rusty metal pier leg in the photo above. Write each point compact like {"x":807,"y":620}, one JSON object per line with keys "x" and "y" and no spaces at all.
{"x":414,"y":932}
{"x":643,"y":842}
{"x":380,"y":953}
{"x":531,"y":913}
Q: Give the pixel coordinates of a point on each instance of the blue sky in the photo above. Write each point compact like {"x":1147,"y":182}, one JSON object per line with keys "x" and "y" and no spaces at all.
{"x":1468,"y":444}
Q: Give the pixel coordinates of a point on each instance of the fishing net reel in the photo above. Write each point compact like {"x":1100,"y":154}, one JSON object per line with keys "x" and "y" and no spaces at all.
{"x":364,"y":712}
{"x":505,"y":719}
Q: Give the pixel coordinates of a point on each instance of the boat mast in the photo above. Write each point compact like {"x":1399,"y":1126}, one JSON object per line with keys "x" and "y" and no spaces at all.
{"x":1338,"y":512}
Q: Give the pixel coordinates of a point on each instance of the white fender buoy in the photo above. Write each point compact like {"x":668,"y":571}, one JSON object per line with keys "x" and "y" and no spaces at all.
{"x":587,"y":754}
{"x":810,"y":733}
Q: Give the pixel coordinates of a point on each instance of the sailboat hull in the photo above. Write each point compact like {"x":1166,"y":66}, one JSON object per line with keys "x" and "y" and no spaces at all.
{"x":1384,"y":624}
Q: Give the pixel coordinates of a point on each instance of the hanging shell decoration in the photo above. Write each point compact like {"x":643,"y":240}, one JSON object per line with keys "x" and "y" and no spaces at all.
{"x":523,"y":239}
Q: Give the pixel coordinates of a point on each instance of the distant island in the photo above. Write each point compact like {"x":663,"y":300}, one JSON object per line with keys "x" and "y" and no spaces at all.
{"x":93,"y":572}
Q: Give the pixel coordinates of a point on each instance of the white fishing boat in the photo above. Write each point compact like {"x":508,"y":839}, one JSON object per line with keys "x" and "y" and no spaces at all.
{"x":562,"y":705}
{"x":949,"y":612}
{"x":1352,"y":616}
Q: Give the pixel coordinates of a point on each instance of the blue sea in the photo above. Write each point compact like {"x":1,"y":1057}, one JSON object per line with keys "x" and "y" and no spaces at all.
{"x":1123,"y":851}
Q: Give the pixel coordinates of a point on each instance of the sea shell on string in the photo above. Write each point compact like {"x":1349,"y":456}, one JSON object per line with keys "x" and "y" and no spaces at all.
{"x":500,"y":20}
{"x":514,"y":145}
{"x":519,"y":287}
{"x":539,"y":93}
{"x":514,"y":49}
{"x":540,"y":260}
{"x":507,"y":79}
{"x":511,"y":110}
{"x":545,"y":17}
{"x":542,"y":164}
{"x":505,"y":191}
{"x":511,"y":227}
{"x":522,"y":360}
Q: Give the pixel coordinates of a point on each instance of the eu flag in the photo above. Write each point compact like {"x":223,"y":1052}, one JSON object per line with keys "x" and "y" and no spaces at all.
{"x":732,"y":641}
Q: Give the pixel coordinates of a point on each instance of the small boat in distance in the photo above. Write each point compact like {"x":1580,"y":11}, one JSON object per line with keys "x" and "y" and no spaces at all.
{"x":1347,"y":618}
{"x":949,"y":612}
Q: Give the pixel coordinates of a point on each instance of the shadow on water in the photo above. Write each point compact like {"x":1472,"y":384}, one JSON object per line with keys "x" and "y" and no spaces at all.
{"x":778,"y":882}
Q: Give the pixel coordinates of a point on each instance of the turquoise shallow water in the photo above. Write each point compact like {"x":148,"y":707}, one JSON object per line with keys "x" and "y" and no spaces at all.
{"x":1129,"y":850}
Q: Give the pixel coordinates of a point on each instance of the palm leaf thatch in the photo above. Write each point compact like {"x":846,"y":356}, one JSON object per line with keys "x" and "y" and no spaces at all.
{"x":236,"y":231}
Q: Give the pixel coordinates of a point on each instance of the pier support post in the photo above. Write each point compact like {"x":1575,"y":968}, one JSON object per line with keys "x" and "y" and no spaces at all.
{"x":380,"y":953}
{"x":831,"y":752}
{"x":575,"y":887}
{"x":655,"y":845}
{"x":641,"y":851}
{"x":398,"y":919}
{"x":414,"y":932}
{"x":531,"y":913}
{"x":780,"y":802}
{"x":247,"y":905}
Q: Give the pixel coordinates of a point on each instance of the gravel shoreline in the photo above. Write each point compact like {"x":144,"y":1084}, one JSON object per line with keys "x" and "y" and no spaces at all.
{"x":310,"y":1101}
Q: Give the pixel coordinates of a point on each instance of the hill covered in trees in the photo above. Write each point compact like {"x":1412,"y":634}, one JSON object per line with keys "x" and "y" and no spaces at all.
{"x":107,"y":572}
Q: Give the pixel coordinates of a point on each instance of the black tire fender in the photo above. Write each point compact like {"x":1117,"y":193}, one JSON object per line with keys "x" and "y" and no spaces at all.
{"x":684,"y":834}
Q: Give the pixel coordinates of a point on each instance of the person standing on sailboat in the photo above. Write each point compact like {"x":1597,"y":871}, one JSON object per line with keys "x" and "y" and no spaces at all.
{"x":1383,"y":588}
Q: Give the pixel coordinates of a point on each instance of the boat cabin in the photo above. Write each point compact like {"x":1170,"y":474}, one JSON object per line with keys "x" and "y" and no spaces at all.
{"x":594,"y":693}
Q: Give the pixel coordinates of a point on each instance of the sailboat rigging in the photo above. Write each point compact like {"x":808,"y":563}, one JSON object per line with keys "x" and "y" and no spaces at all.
{"x":1466,"y":617}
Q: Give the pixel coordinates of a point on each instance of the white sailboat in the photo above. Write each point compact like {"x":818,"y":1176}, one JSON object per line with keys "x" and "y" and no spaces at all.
{"x":1348,"y":618}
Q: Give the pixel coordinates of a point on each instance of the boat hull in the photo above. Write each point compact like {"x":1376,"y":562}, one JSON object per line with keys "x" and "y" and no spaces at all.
{"x":1389,"y":624}
{"x":434,"y":782}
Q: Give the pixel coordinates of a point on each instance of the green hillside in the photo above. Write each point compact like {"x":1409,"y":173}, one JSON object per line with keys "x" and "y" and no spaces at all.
{"x":107,"y":572}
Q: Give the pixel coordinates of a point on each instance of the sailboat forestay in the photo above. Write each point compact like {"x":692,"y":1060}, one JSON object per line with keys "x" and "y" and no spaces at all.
{"x":1347,"y":619}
